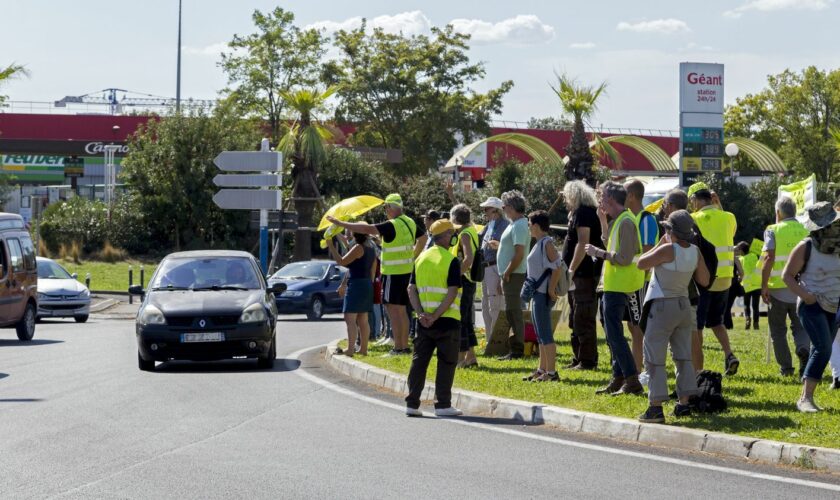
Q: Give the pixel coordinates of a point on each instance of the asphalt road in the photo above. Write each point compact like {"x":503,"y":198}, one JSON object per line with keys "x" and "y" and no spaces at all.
{"x":79,"y":420}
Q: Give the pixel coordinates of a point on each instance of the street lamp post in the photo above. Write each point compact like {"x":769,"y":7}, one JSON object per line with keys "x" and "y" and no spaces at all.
{"x":732,"y":151}
{"x":178,"y":75}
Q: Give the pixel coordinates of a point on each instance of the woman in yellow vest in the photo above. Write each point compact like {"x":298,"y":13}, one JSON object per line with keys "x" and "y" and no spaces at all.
{"x":465,"y":249}
{"x":751,"y":283}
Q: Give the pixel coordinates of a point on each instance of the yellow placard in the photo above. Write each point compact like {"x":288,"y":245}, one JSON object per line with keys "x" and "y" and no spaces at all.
{"x":803,"y":192}
{"x":692,"y":164}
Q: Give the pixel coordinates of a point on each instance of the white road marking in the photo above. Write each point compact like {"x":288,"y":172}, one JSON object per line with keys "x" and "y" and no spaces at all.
{"x":563,"y":442}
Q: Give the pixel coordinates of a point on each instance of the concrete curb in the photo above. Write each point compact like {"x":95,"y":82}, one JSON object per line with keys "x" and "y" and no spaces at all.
{"x":742,"y":447}
{"x":102,"y":305}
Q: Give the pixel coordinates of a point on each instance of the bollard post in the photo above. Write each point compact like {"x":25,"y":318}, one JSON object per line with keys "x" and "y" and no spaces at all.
{"x":87,"y":281}
{"x":143,"y":281}
{"x":130,"y":282}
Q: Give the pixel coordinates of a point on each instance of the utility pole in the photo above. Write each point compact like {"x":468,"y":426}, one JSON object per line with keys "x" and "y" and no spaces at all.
{"x":178,"y":78}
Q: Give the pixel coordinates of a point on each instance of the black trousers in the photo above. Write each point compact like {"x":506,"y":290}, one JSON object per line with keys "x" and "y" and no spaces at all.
{"x":583,"y":302}
{"x":468,"y":338}
{"x":446,"y":342}
{"x":751,"y":304}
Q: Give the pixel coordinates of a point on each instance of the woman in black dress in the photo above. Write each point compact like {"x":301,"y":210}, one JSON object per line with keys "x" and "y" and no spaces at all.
{"x":358,"y":298}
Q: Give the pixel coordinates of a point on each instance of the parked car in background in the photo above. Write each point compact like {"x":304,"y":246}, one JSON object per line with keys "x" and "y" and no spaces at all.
{"x":18,"y":277}
{"x":60,"y":295}
{"x":205,"y":306}
{"x":311,"y":288}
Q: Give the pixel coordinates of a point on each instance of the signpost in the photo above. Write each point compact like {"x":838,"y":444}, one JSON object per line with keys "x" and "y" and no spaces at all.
{"x":268,"y":164}
{"x":701,"y":120}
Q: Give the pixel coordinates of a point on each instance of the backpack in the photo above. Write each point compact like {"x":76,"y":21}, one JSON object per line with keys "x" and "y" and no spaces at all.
{"x":477,"y":269}
{"x":709,"y":399}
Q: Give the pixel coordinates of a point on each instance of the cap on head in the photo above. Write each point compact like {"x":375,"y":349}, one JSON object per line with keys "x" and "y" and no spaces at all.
{"x":697,"y":186}
{"x":680,"y":224}
{"x":394,"y":199}
{"x":492,"y":202}
{"x":440,"y":227}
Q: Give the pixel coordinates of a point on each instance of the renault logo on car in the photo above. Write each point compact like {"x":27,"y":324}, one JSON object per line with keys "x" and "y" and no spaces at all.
{"x":202,"y":323}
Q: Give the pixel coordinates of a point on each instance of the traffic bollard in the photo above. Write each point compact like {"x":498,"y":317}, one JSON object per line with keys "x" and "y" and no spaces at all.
{"x":143,"y":281}
{"x":87,"y":281}
{"x":130,"y":282}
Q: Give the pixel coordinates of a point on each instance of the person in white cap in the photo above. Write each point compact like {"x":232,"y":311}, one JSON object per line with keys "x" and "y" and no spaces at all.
{"x":492,"y":301}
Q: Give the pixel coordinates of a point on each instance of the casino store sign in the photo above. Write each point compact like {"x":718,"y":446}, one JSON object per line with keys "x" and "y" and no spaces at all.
{"x":98,"y":148}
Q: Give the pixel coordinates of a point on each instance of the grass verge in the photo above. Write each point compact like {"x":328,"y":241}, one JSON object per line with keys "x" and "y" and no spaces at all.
{"x":761,"y":402}
{"x":111,"y":277}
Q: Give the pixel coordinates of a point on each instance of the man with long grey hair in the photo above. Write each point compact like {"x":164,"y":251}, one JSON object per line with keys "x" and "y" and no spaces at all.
{"x":584,"y":228}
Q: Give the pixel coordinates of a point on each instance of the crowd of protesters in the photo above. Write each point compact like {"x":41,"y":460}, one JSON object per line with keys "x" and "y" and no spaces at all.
{"x":669,"y":275}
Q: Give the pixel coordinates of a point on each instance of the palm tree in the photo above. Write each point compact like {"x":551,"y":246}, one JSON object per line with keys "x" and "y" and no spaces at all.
{"x":304,"y":143}
{"x":579,"y":101}
{"x":9,"y":72}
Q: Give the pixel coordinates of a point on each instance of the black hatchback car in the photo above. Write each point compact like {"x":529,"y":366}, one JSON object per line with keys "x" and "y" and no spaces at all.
{"x":205,"y":306}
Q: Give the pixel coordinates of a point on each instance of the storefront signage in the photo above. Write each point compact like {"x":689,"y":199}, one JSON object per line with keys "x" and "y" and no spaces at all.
{"x":701,"y":119}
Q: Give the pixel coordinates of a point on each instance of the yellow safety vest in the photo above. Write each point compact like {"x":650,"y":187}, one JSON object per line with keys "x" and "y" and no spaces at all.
{"x":626,"y":279}
{"x":456,"y":248}
{"x":398,"y":255}
{"x":430,"y":272}
{"x":638,"y":218}
{"x":752,"y":272}
{"x":719,"y":227}
{"x":788,"y":234}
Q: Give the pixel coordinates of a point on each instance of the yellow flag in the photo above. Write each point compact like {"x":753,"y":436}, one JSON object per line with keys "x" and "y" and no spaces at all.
{"x":654,"y":207}
{"x":803,"y":192}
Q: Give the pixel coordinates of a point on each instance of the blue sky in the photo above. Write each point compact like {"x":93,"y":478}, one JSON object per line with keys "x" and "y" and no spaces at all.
{"x":77,"y":47}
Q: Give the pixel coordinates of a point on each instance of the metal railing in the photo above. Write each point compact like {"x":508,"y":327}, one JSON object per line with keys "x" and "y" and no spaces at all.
{"x":654,"y":132}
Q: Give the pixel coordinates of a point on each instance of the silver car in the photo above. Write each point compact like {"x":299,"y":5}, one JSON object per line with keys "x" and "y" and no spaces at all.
{"x":59,"y":294}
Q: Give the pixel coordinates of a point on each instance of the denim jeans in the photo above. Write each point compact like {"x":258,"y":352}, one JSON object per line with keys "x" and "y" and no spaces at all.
{"x":613,"y":305}
{"x":821,"y":327}
{"x":541,"y":307}
{"x":375,"y":321}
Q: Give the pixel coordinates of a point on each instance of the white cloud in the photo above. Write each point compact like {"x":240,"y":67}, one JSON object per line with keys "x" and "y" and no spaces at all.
{"x":582,"y":45}
{"x":212,"y":50}
{"x":522,"y":29}
{"x":407,"y":23}
{"x":661,"y":26}
{"x":772,"y":5}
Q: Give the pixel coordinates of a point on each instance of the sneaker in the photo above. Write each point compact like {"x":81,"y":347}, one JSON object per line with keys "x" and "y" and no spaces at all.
{"x":413,"y":412}
{"x":755,"y":325}
{"x":807,"y":406}
{"x":448,"y":412}
{"x":571,"y":366}
{"x":510,"y":356}
{"x":548,"y":377}
{"x":653,"y":415}
{"x":393,"y":352}
{"x":835,"y":384}
{"x":614,"y":385}
{"x":786,"y":372}
{"x":732,"y":365}
{"x":534,"y":375}
{"x":803,"y":355}
{"x":681,"y":410}
{"x":748,"y":324}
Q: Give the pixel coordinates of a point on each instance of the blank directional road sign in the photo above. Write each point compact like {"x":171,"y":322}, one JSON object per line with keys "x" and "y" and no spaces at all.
{"x":248,"y":180}
{"x":249,"y":161}
{"x":248,"y":199}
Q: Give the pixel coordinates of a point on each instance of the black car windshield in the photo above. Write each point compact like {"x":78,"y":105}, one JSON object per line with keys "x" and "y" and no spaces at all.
{"x":303,"y":271}
{"x":49,"y":270}
{"x":207,"y":273}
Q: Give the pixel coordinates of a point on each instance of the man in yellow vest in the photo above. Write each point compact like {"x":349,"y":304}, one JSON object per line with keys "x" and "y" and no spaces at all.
{"x":399,"y":234}
{"x":649,"y":235}
{"x":779,"y":240}
{"x":718,"y":227}
{"x":434,"y":294}
{"x":619,"y":279}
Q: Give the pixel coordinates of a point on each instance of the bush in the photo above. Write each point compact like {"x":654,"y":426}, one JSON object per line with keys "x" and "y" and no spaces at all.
{"x":71,"y":251}
{"x":129,"y":229}
{"x":540,"y":182}
{"x":78,"y":221}
{"x":110,"y":254}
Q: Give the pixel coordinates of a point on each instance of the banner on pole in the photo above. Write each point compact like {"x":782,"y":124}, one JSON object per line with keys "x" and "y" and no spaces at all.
{"x":803,"y":192}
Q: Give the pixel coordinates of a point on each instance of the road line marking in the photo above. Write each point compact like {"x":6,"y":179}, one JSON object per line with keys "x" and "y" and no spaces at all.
{"x":563,"y":442}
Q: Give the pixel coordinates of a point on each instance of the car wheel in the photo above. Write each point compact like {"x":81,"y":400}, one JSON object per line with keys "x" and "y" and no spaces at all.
{"x":81,"y":319}
{"x":267,"y":362}
{"x":316,"y":309}
{"x":145,"y":365}
{"x":26,"y":326}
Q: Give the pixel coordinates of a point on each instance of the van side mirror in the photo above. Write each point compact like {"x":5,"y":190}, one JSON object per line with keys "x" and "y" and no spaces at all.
{"x":136,"y":290}
{"x":277,"y":288}
{"x":75,"y":276}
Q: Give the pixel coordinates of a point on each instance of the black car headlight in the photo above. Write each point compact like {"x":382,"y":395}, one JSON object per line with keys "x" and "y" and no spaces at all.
{"x":255,"y":313}
{"x":151,"y":315}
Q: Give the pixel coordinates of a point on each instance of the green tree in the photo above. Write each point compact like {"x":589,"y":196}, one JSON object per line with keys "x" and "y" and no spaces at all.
{"x":304,"y":143}
{"x":579,"y":102}
{"x":170,"y":170}
{"x":346,"y":174}
{"x":10,"y":72}
{"x":549,"y":123}
{"x":263,"y":65}
{"x":412,"y":93}
{"x":794,"y":116}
